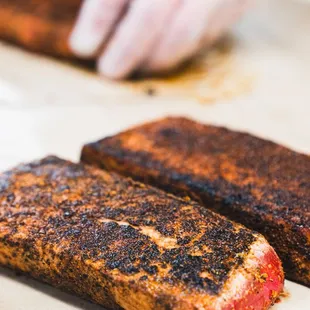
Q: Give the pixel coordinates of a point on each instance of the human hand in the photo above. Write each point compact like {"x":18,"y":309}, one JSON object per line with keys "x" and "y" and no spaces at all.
{"x":149,"y":35}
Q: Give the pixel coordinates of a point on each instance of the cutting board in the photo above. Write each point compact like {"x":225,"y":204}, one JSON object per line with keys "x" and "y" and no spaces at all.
{"x":256,"y":79}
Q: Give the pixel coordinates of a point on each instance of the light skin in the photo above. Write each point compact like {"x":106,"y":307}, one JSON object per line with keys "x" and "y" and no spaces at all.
{"x":126,"y":36}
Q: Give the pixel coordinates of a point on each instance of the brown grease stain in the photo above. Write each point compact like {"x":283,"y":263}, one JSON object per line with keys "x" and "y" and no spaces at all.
{"x":213,"y":75}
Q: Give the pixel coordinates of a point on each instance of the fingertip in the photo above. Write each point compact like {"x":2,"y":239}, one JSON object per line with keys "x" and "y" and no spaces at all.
{"x":80,"y":45}
{"x":108,"y":68}
{"x":95,"y":22}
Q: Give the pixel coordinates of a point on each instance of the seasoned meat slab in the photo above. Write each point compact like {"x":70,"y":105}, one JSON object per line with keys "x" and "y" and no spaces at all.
{"x":124,"y":244}
{"x":253,"y":181}
{"x":38,"y":25}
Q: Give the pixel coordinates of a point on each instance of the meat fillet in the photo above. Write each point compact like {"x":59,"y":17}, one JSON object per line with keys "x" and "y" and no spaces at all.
{"x":124,"y":244}
{"x":38,"y":25}
{"x":258,"y":183}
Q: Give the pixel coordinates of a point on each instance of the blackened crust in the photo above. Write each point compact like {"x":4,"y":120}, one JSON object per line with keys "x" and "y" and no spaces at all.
{"x":256,"y":182}
{"x":86,"y":230}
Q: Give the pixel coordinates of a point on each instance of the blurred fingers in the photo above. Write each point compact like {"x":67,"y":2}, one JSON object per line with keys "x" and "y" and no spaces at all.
{"x":182,"y":37}
{"x":230,"y":13}
{"x":94,"y":24}
{"x":195,"y":22}
{"x":136,"y":35}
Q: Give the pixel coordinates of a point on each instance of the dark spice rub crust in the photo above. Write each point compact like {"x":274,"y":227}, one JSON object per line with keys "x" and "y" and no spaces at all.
{"x":253,"y":181}
{"x":123,"y":244}
{"x":39,"y":25}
